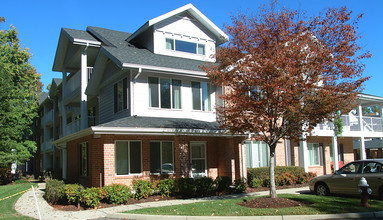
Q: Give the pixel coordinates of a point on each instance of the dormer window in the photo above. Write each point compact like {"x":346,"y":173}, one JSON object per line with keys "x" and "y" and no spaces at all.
{"x":185,"y":46}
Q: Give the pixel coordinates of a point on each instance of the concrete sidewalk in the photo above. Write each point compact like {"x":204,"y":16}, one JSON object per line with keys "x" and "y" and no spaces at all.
{"x":25,"y":205}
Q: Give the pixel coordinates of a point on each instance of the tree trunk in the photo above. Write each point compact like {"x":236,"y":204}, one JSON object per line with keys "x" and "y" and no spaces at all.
{"x":273,"y":191}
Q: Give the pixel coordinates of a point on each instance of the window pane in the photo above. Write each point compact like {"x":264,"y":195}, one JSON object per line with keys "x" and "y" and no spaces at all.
{"x":316,"y":154}
{"x":196,"y":95}
{"x":198,"y":151}
{"x":176,"y":90}
{"x":205,"y":96}
{"x":122,"y":158}
{"x":167,"y":157}
{"x":198,"y":166}
{"x":135,"y":157}
{"x":201,"y":49}
{"x":186,"y":46}
{"x":84,"y":157}
{"x":249,"y":156}
{"x":153,"y":92}
{"x":265,"y":154}
{"x":155,"y":162}
{"x":169,"y":44}
{"x":165,"y":93}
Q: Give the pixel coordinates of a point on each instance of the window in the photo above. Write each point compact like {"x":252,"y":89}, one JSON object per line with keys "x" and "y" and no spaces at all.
{"x":352,"y":168}
{"x":164,"y":93}
{"x":314,"y":154}
{"x":161,"y":157}
{"x":83,"y":159}
{"x":257,"y":154}
{"x":198,"y":159}
{"x":185,"y":46}
{"x":201,"y":96}
{"x":121,"y":95}
{"x":128,"y":157}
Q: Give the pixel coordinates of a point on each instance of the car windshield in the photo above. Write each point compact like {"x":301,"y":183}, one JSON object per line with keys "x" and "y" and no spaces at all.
{"x":352,"y":168}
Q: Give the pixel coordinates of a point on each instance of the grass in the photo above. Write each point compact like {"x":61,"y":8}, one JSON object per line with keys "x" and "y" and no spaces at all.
{"x":7,"y":210}
{"x":229,"y":207}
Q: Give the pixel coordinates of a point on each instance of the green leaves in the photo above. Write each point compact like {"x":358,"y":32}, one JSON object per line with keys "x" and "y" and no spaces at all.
{"x":19,"y":92}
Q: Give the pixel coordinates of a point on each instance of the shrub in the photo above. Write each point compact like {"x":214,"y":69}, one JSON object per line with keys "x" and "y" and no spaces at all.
{"x":117,"y":194}
{"x":142,"y":188}
{"x":5,"y":176}
{"x":204,"y":186}
{"x":167,"y":187}
{"x":240,"y":185}
{"x":186,"y":187}
{"x":285,"y":179}
{"x":72,"y":193}
{"x":256,"y":183}
{"x":54,"y":191}
{"x":223,"y":183}
{"x":305,"y":177}
{"x":91,"y":197}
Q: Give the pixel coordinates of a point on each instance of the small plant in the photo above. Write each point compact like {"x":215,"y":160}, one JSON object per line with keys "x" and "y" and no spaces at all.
{"x":186,"y":187}
{"x":72,"y":193}
{"x":117,"y":194}
{"x":54,"y":191}
{"x":204,"y":186}
{"x":91,"y":197}
{"x":223,"y":183}
{"x":167,"y":187}
{"x":142,"y":188}
{"x":240,"y":185}
{"x":256,"y":183}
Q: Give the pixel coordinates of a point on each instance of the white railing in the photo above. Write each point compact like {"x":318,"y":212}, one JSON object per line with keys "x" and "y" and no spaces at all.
{"x":351,"y":123}
{"x":73,"y":127}
{"x":90,"y":71}
{"x":72,"y":84}
{"x":48,"y":117}
{"x":47,"y":145}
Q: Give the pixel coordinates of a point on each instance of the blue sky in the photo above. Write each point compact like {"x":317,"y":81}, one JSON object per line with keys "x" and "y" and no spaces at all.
{"x":39,"y":23}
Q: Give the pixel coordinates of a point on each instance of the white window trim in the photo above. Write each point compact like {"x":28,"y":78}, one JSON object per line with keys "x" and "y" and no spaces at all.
{"x":171,"y":94}
{"x":191,"y":157}
{"x":161,"y":157}
{"x":115,"y":159}
{"x":178,"y":51}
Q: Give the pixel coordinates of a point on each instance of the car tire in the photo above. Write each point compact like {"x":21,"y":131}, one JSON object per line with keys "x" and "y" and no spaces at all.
{"x":321,"y":189}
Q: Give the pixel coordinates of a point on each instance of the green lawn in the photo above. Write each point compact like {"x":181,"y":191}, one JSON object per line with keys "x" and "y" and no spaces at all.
{"x":7,"y":210}
{"x":229,"y":207}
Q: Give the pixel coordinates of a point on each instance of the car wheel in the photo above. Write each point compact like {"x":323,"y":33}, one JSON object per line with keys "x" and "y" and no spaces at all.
{"x":321,"y":189}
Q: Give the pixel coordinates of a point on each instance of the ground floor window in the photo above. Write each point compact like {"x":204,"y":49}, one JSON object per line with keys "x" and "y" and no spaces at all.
{"x":84,"y":159}
{"x":314,"y":154}
{"x":198,"y":159}
{"x":257,"y":154}
{"x":128,"y":157}
{"x":161,"y":157}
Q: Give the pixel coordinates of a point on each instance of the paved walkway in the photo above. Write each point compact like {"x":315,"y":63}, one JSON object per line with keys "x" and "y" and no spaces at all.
{"x":26,"y":206}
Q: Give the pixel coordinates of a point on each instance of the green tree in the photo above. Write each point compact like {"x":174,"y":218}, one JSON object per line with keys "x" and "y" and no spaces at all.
{"x":19,"y":92}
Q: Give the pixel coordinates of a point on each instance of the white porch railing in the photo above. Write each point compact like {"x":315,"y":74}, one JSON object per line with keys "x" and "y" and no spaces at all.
{"x":351,"y":123}
{"x":73,"y":127}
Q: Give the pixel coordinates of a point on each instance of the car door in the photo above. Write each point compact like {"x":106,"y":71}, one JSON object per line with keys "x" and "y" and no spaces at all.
{"x":373,"y":172}
{"x":345,"y":180}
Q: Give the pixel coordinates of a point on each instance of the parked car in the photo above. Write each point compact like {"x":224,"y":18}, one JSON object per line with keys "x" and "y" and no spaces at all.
{"x":346,"y":179}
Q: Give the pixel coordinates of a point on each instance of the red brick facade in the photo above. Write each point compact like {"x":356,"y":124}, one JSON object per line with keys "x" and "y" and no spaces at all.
{"x":223,"y":158}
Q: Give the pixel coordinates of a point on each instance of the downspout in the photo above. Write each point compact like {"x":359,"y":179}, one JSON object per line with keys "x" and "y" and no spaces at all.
{"x":132,"y":90}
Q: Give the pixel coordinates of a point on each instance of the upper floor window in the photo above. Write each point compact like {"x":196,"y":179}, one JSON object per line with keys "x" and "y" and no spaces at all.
{"x":185,"y":46}
{"x":164,"y":93}
{"x":121,"y":95}
{"x":201,"y":96}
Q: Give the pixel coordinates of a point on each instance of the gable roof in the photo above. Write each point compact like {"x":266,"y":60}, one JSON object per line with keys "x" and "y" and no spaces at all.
{"x":221,"y":37}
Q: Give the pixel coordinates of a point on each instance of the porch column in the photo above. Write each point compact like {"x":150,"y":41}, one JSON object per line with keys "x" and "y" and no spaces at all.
{"x":63,"y":109}
{"x":362,"y":145}
{"x":288,"y":151}
{"x":64,"y":153}
{"x":303,"y":154}
{"x":335,"y":152}
{"x":84,"y":81}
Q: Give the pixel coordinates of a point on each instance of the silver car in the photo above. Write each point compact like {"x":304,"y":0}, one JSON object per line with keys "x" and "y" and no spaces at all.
{"x":346,"y":179}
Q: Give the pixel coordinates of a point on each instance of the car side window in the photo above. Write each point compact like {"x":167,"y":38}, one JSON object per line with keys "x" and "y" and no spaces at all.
{"x":352,"y":168}
{"x":372,"y":167}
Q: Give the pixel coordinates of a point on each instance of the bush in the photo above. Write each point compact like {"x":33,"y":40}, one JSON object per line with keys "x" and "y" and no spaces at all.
{"x":5,"y":176}
{"x":117,"y":194}
{"x":256,"y":183}
{"x":305,"y":177}
{"x":72,"y":193}
{"x":142,"y":188}
{"x":186,"y":187}
{"x":285,"y":179}
{"x":240,"y":185}
{"x":167,"y":187}
{"x":54,"y":191}
{"x":91,"y":197}
{"x":223,"y":183}
{"x":204,"y":186}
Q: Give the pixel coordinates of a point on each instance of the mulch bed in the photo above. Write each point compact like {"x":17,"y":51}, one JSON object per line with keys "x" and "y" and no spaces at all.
{"x":267,"y":202}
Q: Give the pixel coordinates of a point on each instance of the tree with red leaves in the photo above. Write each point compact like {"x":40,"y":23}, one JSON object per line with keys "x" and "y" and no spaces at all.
{"x":284,"y":73}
